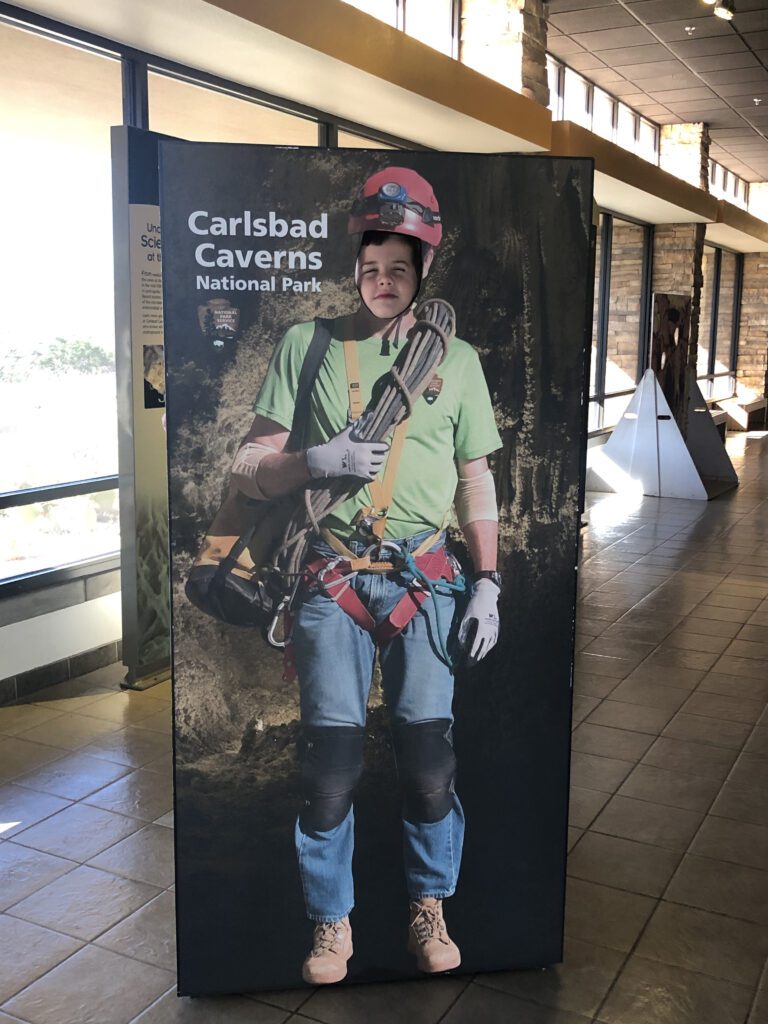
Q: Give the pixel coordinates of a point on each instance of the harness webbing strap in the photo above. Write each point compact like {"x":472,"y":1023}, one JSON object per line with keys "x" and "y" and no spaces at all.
{"x":434,"y":565}
{"x":352,"y":364}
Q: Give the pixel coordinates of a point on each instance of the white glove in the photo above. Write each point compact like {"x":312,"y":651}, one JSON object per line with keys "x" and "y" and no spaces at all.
{"x":479,"y":629}
{"x":344,"y":455}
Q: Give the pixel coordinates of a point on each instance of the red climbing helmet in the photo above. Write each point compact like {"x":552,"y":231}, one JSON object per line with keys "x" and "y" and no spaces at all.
{"x":397,"y":199}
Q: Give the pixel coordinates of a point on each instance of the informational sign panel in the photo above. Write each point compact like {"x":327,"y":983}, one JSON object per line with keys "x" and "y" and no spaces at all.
{"x":258,"y":242}
{"x":141,"y":401}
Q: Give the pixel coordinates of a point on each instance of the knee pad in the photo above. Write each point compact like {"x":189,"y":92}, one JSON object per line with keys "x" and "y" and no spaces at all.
{"x":426,"y":765}
{"x":331,"y":762}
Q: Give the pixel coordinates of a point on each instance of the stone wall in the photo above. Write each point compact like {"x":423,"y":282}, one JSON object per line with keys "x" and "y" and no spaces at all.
{"x":753,"y":327}
{"x":684,"y":152}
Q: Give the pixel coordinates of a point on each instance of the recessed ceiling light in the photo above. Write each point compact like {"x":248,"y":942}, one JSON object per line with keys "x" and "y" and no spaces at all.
{"x":690,"y":29}
{"x":757,"y":100}
{"x":710,"y":2}
{"x":725,"y":9}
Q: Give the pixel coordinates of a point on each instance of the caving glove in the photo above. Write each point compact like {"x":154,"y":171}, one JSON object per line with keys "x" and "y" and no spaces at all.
{"x":479,"y":629}
{"x":344,"y":455}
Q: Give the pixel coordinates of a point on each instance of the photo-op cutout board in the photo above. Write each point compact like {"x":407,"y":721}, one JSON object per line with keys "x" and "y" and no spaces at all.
{"x":255,"y":240}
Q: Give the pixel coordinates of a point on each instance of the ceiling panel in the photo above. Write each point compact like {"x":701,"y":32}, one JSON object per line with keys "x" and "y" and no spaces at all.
{"x":651,"y":11}
{"x":591,"y":19}
{"x":634,"y":55}
{"x":614,"y":38}
{"x":645,"y":52}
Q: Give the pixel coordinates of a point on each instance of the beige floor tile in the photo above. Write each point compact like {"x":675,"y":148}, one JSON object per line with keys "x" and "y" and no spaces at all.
{"x":479,"y":1003}
{"x":142,"y":794}
{"x":95,"y":986}
{"x":735,"y":841}
{"x":163,"y":765}
{"x":731,"y":889}
{"x":656,"y":993}
{"x":17,"y":718}
{"x":73,"y":776}
{"x":604,"y":774}
{"x":669,"y":827}
{"x":673,"y":789}
{"x":708,"y":943}
{"x":125,"y":708}
{"x":609,"y":742}
{"x":623,"y":863}
{"x":584,"y":806}
{"x":707,"y":729}
{"x":75,"y":693}
{"x":84,"y":903}
{"x":210,"y":1010}
{"x":578,"y":984}
{"x":166,"y":820}
{"x":27,"y":951}
{"x":425,"y":1000}
{"x":19,"y":756}
{"x":691,"y":758}
{"x":24,"y":871}
{"x":130,"y":746}
{"x":635,"y":717}
{"x":161,"y":721}
{"x":20,"y":808}
{"x":603,"y":916}
{"x":715,"y":705}
{"x":70,"y":731}
{"x":146,"y":856}
{"x":148,"y":935}
{"x":78,"y":832}
{"x":161,"y":691}
{"x":741,"y":803}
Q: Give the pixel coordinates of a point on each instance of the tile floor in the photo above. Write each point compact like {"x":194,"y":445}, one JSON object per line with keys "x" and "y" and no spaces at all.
{"x":667,"y":912}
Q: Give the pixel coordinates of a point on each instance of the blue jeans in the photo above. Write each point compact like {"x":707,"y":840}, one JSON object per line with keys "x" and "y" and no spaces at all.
{"x":335,"y":660}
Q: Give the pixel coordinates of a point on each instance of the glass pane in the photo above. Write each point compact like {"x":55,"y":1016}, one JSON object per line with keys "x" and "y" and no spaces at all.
{"x":725,"y":312}
{"x":202,"y":115}
{"x":624,"y":306}
{"x":593,"y":381}
{"x":625,"y":127}
{"x":602,"y":113}
{"x":431,"y":22}
{"x":594,"y":417}
{"x":384,"y":10}
{"x":723,"y":387}
{"x":705,"y":307}
{"x":553,"y":80}
{"x":615,"y":409}
{"x":55,"y":533}
{"x":58,"y":419}
{"x":349,"y":141}
{"x":575,"y":106}
{"x":648,"y":143}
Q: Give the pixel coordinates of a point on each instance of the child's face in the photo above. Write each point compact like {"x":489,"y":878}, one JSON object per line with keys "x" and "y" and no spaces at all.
{"x":386,"y":277}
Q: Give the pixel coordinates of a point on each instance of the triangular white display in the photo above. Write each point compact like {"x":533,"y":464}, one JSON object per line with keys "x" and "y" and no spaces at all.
{"x":705,"y":446}
{"x":647,"y":450}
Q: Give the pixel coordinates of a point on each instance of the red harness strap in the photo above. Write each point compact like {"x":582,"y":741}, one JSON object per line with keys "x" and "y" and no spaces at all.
{"x":435,"y":565}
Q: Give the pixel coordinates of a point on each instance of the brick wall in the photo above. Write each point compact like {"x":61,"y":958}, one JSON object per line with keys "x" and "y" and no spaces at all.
{"x":753,"y":326}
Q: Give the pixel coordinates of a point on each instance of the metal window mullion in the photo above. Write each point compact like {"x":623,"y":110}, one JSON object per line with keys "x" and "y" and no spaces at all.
{"x":135,"y":92}
{"x":54,"y":492}
{"x":714,"y":311}
{"x":736,"y":321}
{"x":601,"y":358}
{"x":646,"y":304}
{"x":327,"y":135}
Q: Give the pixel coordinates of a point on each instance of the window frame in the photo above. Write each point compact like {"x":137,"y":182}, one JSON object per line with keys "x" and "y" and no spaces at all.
{"x":135,"y":67}
{"x":733,"y":341}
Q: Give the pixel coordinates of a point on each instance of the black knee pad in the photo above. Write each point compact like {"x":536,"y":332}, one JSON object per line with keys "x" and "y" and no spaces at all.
{"x":331,"y":761}
{"x":426,"y":764}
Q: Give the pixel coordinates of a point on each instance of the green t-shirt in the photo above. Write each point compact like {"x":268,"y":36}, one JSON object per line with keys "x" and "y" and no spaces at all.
{"x":458,"y":424}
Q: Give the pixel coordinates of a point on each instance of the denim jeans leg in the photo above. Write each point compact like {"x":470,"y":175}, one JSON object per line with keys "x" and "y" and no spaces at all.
{"x":325,"y":866}
{"x":432,"y":854}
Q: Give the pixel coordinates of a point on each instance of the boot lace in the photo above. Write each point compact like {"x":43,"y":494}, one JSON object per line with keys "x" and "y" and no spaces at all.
{"x":328,"y":937}
{"x":428,"y":924}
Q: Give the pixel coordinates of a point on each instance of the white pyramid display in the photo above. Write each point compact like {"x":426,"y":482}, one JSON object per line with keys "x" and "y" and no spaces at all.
{"x":647,"y":449}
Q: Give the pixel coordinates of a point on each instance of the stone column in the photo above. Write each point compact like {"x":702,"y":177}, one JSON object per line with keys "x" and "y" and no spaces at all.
{"x":753,"y":324}
{"x":507,"y":41}
{"x":684,"y":152}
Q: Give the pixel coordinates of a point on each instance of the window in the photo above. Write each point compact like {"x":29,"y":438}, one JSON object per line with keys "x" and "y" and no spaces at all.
{"x":198,"y":114}
{"x":348,"y":140}
{"x":648,"y":141}
{"x":431,"y":22}
{"x":603,"y":112}
{"x":576,"y":99}
{"x":57,"y":376}
{"x":706,"y":305}
{"x":620,"y":317}
{"x":384,"y":10}
{"x":555,"y":82}
{"x":718,"y":326}
{"x":626,"y":127}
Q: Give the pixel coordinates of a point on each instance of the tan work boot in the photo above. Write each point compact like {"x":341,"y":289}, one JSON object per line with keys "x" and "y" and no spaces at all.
{"x":428,"y":938}
{"x":331,"y":948}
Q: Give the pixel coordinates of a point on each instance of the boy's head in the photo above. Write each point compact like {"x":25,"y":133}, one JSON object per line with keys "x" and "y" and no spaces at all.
{"x":397,"y":215}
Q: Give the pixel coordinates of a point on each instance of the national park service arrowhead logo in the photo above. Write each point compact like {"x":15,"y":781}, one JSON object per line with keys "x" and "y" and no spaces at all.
{"x":433,"y":390}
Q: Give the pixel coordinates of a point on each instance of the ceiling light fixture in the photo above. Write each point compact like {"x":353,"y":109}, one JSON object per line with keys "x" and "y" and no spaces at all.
{"x":710,"y":2}
{"x":690,"y":29}
{"x":725,"y":9}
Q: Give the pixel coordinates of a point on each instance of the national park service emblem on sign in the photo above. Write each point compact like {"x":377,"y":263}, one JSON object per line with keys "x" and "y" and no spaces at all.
{"x":433,"y":389}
